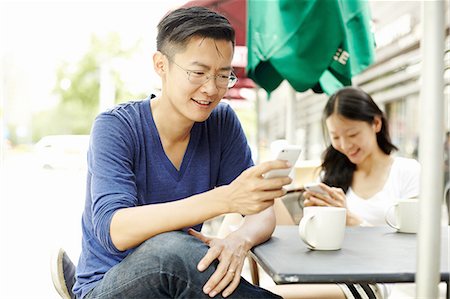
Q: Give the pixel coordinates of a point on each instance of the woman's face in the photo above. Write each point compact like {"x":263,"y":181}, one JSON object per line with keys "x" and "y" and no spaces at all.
{"x":354,"y":138}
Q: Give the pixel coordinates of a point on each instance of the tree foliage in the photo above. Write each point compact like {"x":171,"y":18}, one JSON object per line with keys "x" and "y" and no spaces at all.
{"x":78,"y":87}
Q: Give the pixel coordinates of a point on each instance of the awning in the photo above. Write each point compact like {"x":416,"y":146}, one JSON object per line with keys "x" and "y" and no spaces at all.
{"x":234,"y":10}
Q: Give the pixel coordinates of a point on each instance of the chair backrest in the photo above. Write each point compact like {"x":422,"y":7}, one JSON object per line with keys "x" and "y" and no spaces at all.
{"x":63,"y":274}
{"x":293,"y":201}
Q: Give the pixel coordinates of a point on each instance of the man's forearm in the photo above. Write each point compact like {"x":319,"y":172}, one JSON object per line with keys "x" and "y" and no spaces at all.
{"x":132,"y":226}
{"x":257,"y":228}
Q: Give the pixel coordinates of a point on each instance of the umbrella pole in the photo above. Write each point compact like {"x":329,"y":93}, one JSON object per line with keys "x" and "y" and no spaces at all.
{"x":431,"y":148}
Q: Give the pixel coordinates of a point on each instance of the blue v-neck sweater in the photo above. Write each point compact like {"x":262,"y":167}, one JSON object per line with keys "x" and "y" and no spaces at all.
{"x":128,"y":167}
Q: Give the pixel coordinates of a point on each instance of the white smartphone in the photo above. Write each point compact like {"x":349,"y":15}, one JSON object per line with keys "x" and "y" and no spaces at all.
{"x":315,"y":187}
{"x":288,"y":153}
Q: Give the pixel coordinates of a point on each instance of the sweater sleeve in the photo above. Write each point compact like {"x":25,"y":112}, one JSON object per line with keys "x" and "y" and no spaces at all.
{"x":110,"y":162}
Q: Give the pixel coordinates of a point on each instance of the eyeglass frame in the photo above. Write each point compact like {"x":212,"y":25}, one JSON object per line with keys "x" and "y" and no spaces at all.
{"x":232,"y":78}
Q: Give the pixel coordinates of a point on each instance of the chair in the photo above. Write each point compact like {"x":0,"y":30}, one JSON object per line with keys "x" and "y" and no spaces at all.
{"x":63,"y":274}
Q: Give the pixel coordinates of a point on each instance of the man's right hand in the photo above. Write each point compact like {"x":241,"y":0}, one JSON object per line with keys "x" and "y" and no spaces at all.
{"x":251,"y":193}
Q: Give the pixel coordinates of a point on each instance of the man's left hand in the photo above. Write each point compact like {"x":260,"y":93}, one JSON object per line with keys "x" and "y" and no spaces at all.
{"x":231,"y":253}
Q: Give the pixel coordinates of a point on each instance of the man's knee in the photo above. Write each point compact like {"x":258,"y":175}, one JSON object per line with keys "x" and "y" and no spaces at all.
{"x":173,"y":250}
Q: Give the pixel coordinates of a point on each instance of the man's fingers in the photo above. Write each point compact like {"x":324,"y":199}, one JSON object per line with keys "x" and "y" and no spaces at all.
{"x":270,"y":195}
{"x":233,"y":285}
{"x":210,"y":287}
{"x":199,"y":236}
{"x":212,"y":254}
{"x":222,"y":283}
{"x":237,"y":276}
{"x":274,"y":183}
{"x":235,"y":265}
{"x":264,"y":167}
{"x":232,"y":275}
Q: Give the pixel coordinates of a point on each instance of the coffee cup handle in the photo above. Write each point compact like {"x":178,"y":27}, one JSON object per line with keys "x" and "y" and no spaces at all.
{"x":386,"y":217}
{"x":302,"y":229}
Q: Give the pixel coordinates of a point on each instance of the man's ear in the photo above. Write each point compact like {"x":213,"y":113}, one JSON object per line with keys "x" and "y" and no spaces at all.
{"x":159,"y":63}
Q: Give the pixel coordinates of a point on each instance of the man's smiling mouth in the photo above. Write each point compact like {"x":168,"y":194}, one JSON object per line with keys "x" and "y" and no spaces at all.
{"x":203,"y":103}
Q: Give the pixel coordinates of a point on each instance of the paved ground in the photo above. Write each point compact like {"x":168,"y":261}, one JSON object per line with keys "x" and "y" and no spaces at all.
{"x":40,"y":211}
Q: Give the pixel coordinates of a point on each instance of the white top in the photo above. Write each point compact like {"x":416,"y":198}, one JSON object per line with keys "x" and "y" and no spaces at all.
{"x":403,"y":182}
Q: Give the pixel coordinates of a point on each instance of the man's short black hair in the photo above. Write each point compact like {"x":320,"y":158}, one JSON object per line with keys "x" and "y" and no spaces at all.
{"x":179,"y":26}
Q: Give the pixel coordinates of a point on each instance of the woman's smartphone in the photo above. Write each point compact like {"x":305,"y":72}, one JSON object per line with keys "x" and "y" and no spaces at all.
{"x":288,"y":153}
{"x":315,"y":187}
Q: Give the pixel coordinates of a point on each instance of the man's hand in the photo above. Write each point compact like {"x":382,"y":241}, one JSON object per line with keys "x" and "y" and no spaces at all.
{"x":251,"y":193}
{"x":231,"y":253}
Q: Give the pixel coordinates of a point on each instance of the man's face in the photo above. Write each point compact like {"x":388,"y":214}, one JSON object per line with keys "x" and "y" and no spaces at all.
{"x":202,"y":58}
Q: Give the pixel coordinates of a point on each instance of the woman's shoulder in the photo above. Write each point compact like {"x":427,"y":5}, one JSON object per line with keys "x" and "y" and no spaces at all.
{"x":406,"y":166}
{"x":406,"y":162}
{"x":405,"y":177}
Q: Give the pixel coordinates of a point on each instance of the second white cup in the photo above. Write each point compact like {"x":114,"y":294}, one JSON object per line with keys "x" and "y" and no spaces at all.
{"x":323,"y":228}
{"x":406,"y":219}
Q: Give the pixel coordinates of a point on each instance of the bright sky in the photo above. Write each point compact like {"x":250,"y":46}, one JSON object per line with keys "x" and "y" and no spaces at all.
{"x":36,"y":35}
{"x":65,"y":26}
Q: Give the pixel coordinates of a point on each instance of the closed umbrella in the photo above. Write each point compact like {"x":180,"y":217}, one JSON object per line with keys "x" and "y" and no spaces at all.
{"x":310,"y":43}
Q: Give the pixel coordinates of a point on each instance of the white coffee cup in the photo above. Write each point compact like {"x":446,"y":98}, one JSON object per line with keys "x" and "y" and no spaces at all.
{"x":406,"y":215}
{"x":323,"y":228}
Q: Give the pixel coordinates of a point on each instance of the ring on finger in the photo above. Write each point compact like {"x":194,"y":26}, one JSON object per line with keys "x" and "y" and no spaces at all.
{"x":231,"y":271}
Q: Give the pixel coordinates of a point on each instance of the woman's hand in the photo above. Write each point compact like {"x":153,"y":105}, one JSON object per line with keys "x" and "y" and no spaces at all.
{"x":334,"y":197}
{"x":231,"y":253}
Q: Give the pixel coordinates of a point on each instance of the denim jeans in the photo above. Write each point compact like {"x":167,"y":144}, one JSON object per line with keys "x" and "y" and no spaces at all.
{"x":165,"y":266}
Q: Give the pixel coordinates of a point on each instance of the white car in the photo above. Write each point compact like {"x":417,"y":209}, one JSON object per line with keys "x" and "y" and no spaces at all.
{"x":62,"y":151}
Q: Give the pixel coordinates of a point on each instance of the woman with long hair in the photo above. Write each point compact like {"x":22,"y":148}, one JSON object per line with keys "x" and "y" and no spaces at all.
{"x":359,"y":171}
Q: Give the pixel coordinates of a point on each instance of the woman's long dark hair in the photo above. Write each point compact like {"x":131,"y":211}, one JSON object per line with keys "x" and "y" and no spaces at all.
{"x":352,"y":103}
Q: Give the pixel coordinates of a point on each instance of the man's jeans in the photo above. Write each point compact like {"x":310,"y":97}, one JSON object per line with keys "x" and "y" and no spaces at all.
{"x":165,"y":266}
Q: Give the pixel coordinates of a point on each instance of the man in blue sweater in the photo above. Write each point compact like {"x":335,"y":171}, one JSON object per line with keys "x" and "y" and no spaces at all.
{"x":158,"y":168}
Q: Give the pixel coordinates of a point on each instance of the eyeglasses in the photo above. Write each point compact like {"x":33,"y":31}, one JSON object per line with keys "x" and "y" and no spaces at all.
{"x":200,"y":78}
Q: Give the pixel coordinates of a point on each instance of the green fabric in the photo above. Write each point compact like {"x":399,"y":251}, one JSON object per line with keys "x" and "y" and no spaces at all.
{"x":299,"y":40}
